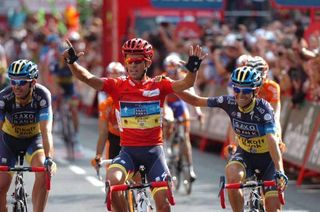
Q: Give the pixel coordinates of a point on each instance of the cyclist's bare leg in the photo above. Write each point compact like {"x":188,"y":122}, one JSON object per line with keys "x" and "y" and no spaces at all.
{"x":272,"y":203}
{"x":5,"y":181}
{"x":39,"y":192}
{"x":116,"y":176}
{"x":235,"y":174}
{"x":160,"y":199}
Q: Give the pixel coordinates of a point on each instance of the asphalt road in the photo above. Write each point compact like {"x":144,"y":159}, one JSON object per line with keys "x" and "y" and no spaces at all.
{"x":75,"y":187}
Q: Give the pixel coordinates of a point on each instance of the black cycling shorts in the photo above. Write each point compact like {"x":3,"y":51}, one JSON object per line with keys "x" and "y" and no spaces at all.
{"x":11,"y":146}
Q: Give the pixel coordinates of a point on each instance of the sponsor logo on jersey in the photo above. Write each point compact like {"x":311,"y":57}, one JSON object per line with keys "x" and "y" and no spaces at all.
{"x":245,"y":128}
{"x":151,"y":93}
{"x":261,"y":110}
{"x":140,"y":115}
{"x":267,"y":117}
{"x":23,"y":118}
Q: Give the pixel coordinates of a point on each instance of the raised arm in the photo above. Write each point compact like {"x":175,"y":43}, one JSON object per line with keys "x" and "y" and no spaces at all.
{"x":193,"y":99}
{"x":79,"y":71}
{"x":196,"y":55}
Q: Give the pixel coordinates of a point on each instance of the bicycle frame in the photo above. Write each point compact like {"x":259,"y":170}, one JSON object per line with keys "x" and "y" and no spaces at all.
{"x":67,"y":127}
{"x":19,"y":195}
{"x":254,"y":194}
{"x":142,"y":199}
{"x":177,"y":161}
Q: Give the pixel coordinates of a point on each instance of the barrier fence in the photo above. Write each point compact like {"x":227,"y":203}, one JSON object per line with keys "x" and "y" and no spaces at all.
{"x":300,"y":131}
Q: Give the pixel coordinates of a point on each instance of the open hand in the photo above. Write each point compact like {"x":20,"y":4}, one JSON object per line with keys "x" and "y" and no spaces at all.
{"x":70,"y":54}
{"x":196,"y":55}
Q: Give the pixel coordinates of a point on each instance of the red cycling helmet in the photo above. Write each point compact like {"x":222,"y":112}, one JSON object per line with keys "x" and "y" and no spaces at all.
{"x":138,"y":46}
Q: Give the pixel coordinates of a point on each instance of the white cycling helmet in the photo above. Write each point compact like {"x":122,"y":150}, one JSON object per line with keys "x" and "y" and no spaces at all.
{"x":172,"y":59}
{"x":116,"y":67}
{"x":243,"y":60}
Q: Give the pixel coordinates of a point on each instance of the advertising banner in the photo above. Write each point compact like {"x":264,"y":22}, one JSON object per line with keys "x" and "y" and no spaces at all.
{"x":297,"y":3}
{"x":189,"y":4}
{"x":297,"y":133}
{"x":314,"y":157}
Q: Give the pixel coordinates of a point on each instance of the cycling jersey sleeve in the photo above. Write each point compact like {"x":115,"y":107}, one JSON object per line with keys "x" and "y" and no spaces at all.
{"x":223,"y":102}
{"x":166,"y":86}
{"x":45,"y":112}
{"x":109,"y":85}
{"x":2,"y":106}
{"x":268,"y":118}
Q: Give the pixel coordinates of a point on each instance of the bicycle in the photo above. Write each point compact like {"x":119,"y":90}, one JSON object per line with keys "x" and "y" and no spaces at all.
{"x":63,"y":117}
{"x":19,"y":195}
{"x":253,"y":193}
{"x":128,"y":193}
{"x":177,"y":161}
{"x":99,"y":165}
{"x":137,"y":197}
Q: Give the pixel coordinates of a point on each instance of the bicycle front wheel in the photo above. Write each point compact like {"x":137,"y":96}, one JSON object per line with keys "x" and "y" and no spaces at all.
{"x":19,"y":206}
{"x":187,"y":179}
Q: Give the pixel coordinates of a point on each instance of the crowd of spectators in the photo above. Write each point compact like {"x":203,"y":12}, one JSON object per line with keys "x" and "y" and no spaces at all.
{"x":41,"y":39}
{"x":279,"y":42}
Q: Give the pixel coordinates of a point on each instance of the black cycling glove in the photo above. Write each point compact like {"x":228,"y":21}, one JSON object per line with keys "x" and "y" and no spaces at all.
{"x":193,"y":64}
{"x":72,"y":56}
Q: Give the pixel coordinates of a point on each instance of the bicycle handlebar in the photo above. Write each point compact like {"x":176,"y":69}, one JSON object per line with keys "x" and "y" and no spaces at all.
{"x":249,"y":184}
{"x":101,"y":163}
{"x":125,"y":187}
{"x":30,"y":169}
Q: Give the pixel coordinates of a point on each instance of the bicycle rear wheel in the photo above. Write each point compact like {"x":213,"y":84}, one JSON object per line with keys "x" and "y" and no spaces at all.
{"x":68,"y":132}
{"x":187,"y":178}
{"x":175,"y":172}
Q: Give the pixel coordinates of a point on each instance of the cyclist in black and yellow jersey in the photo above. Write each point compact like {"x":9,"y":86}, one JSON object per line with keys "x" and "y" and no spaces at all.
{"x":26,"y":125}
{"x":253,"y":122}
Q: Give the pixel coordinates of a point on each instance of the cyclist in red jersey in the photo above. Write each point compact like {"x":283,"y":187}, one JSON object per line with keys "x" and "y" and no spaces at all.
{"x":139,"y":104}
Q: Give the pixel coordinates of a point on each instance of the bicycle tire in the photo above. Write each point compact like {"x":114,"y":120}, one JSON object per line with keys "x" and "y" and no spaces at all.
{"x":255,"y":201}
{"x":176,"y":174}
{"x":67,"y":132}
{"x":19,"y":206}
{"x":143,"y":203}
{"x":187,"y":178}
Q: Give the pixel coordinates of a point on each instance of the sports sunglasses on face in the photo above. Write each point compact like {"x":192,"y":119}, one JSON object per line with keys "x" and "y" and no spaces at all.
{"x":243,"y":90}
{"x":130,"y":60}
{"x":19,"y":82}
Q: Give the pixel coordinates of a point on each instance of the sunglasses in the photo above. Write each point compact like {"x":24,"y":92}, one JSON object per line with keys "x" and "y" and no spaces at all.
{"x":136,"y":61}
{"x":243,"y":90}
{"x":19,"y":82}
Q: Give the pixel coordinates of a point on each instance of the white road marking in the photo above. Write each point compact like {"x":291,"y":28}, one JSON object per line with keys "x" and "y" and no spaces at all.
{"x":94,"y":181}
{"x":77,"y":170}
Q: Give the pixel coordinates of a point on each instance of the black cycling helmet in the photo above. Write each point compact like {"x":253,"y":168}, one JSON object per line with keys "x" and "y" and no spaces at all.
{"x":23,"y":69}
{"x":246,"y":76}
